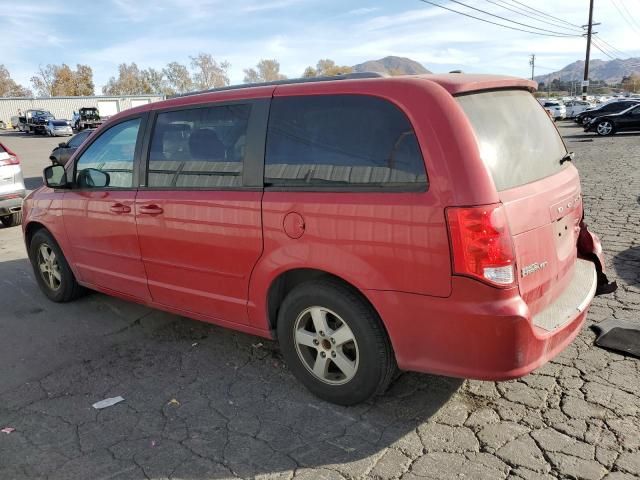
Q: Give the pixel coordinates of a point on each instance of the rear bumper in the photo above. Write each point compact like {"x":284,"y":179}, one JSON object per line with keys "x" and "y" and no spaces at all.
{"x":478,"y":332}
{"x":11,"y":202}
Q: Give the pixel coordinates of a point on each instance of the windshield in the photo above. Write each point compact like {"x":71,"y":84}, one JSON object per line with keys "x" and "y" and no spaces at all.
{"x":518,"y":142}
{"x":60,"y":124}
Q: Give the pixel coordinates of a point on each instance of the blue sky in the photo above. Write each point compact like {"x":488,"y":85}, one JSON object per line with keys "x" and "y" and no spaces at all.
{"x":296,"y":32}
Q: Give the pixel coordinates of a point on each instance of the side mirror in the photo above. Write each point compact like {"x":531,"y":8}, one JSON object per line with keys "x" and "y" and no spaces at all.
{"x":55,"y":176}
{"x":92,"y":178}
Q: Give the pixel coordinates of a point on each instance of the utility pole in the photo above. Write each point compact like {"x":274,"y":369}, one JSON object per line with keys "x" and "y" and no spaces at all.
{"x":586,"y":61}
{"x":532,"y":62}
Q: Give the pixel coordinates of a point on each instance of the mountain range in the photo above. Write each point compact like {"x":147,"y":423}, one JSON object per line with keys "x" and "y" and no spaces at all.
{"x":391,"y":64}
{"x":611,"y":71}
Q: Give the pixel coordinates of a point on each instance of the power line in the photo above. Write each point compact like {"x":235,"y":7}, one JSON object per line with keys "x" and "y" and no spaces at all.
{"x":545,"y":14}
{"x":611,"y":47}
{"x":491,"y":22}
{"x":630,"y":17}
{"x":615,"y":4}
{"x":595,"y":44}
{"x":512,"y":21}
{"x":525,"y":13}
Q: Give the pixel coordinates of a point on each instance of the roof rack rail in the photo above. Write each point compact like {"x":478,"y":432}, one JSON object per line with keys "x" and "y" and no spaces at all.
{"x":344,"y":76}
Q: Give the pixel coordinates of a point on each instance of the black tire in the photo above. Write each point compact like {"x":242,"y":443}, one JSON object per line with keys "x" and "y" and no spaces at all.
{"x":605,"y":128}
{"x":12,"y":220}
{"x":373,"y":348}
{"x":68,"y":288}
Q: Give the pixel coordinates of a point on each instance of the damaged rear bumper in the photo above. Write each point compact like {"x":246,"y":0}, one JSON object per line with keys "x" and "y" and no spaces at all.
{"x":590,"y":248}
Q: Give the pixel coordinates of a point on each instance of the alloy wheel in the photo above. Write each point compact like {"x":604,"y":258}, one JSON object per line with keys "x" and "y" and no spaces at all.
{"x":326,"y":345}
{"x":49,"y":267}
{"x":604,"y":128}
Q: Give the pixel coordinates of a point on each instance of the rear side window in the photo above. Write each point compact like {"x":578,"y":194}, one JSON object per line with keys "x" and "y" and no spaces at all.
{"x":518,"y":142}
{"x":350,"y":141}
{"x":199,"y":147}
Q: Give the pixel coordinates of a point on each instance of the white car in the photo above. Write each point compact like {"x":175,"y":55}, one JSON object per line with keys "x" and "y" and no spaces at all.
{"x":12,"y":189}
{"x":575,"y":107}
{"x":55,"y":128}
{"x":556,"y":110}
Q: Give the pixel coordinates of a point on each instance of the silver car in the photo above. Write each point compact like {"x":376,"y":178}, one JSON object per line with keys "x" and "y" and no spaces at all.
{"x":55,"y":128}
{"x":12,"y":189}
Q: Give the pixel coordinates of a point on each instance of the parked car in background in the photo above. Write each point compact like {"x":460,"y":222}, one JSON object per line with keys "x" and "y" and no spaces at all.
{"x":575,"y":107}
{"x":58,"y":128}
{"x":61,"y":154}
{"x":339,"y":216}
{"x":615,"y":106}
{"x":556,"y":109}
{"x":626,"y":120}
{"x":12,"y":189}
{"x":15,"y":120}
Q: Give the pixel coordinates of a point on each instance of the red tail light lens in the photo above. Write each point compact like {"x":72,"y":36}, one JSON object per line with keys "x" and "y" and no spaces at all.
{"x":12,"y":160}
{"x":481,"y":244}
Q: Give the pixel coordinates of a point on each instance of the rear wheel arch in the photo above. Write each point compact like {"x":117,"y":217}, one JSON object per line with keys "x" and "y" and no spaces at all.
{"x":286,"y":281}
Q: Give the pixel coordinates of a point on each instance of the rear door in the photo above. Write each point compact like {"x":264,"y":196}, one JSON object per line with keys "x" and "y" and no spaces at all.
{"x":198,"y":212}
{"x":522,"y":149}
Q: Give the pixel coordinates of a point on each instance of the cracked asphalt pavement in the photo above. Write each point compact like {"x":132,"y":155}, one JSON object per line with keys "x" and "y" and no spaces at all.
{"x":202,"y":402}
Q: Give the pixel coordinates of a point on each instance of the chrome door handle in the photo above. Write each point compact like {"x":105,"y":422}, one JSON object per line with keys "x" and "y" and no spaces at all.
{"x":119,"y":208}
{"x":151,"y":210}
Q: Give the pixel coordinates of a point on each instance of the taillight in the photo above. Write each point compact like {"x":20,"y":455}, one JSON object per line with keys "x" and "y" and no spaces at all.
{"x":12,"y":160}
{"x":481,"y":244}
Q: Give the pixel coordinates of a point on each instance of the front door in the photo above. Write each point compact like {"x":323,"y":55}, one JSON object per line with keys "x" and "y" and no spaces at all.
{"x":99,"y":212}
{"x":198,"y":216}
{"x":629,"y":120}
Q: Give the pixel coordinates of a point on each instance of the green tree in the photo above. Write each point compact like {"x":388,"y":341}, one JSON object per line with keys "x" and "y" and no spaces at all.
{"x":326,"y":68}
{"x":267,"y":70}
{"x":631,"y":83}
{"x":61,"y":81}
{"x":9,"y":88}
{"x":130,"y":81}
{"x":178,"y":78}
{"x":208,"y":73}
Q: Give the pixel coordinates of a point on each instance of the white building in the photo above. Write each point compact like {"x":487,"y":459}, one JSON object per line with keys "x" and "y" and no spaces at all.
{"x":63,"y":107}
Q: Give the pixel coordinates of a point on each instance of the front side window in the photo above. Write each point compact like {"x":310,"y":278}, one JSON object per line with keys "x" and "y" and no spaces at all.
{"x":111,"y":153}
{"x":199,"y":147}
{"x":341,"y":141}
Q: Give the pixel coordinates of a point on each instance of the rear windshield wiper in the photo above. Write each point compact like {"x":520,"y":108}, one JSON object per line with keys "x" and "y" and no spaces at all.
{"x":567,"y":158}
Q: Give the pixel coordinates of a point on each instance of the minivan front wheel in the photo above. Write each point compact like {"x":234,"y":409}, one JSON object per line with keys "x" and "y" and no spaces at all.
{"x":52,"y":272}
{"x":334,"y":342}
{"x":604,"y":128}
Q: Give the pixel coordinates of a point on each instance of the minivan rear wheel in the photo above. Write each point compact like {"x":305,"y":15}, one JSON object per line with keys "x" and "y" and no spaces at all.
{"x":53,"y":274}
{"x":334,"y":342}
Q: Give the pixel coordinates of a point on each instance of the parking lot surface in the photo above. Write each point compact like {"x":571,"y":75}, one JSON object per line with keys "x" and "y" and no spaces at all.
{"x":204,"y":402}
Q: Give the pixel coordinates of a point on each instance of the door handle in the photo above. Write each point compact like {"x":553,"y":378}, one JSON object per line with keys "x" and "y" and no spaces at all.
{"x":119,"y":208}
{"x":151,"y":210}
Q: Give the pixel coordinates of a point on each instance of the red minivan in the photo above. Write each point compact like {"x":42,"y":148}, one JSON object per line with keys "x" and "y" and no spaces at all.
{"x":430,"y":223}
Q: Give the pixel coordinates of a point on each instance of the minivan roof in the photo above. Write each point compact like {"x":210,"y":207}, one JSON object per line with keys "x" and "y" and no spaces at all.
{"x":453,"y":83}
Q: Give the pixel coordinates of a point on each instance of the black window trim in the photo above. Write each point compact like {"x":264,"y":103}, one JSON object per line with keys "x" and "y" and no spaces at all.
{"x":353,"y":188}
{"x":253,"y":164}
{"x":136,"y":155}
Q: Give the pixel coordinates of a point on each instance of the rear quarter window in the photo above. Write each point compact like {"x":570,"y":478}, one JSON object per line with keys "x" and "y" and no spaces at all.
{"x":346,"y":141}
{"x":518,"y":142}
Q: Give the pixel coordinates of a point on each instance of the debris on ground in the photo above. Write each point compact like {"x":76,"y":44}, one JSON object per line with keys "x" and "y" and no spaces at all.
{"x":174,"y":402}
{"x":8,"y":430}
{"x":620,"y":335}
{"x":257,"y":345}
{"x":107,"y":402}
